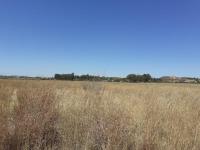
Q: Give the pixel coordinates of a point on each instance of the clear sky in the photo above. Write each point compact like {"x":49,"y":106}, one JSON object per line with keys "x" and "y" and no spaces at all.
{"x":101,"y":37}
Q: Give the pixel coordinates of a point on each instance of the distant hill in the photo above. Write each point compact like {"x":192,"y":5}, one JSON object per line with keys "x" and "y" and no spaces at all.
{"x":25,"y":77}
{"x":174,"y":79}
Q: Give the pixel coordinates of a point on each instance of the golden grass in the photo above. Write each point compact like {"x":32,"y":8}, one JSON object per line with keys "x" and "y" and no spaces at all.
{"x":42,"y":115}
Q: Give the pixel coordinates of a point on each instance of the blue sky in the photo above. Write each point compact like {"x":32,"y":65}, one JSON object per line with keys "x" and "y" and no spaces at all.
{"x":101,"y":37}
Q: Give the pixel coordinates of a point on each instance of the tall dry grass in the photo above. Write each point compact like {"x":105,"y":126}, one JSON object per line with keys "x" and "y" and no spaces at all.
{"x":5,"y":96}
{"x":29,"y":119}
{"x":99,"y":116}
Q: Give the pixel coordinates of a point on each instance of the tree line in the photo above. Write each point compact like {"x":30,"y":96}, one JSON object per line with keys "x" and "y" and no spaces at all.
{"x":132,"y":78}
{"x":87,"y":77}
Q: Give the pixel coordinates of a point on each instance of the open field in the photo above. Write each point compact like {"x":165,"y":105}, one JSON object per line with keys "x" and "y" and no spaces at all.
{"x":41,"y":115}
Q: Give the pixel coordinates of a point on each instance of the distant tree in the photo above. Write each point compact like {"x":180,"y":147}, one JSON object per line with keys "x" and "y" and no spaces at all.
{"x":139,"y":78}
{"x":64,"y":76}
{"x":146,"y":77}
{"x":132,"y":78}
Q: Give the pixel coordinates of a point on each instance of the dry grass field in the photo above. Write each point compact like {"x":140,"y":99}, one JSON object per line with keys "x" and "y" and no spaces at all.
{"x":49,"y":115}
